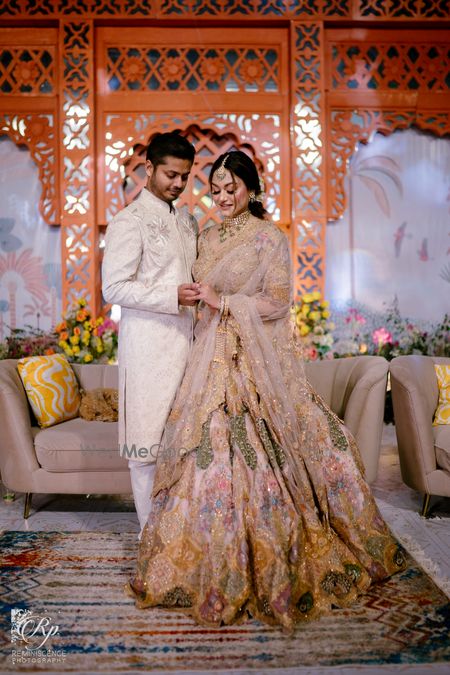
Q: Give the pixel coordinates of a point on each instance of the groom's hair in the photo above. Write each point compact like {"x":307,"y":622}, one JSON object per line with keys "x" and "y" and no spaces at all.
{"x":171,"y":144}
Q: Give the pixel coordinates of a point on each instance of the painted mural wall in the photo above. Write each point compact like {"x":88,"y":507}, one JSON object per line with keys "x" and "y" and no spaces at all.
{"x":30,"y":250}
{"x":393,"y":242}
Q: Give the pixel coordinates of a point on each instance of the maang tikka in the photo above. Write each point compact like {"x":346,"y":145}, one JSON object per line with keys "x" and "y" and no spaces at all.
{"x":220,"y":172}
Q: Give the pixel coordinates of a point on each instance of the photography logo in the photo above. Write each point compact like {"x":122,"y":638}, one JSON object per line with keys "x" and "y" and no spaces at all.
{"x":31,"y":636}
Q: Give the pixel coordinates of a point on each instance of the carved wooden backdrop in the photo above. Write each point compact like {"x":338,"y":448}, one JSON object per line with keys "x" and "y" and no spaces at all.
{"x":282,"y":84}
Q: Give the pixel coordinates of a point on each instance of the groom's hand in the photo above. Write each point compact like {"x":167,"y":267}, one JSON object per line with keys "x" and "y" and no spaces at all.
{"x":188,"y":294}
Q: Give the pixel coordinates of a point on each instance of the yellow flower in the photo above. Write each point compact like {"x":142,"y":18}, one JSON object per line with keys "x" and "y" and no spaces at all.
{"x":316,"y":295}
{"x":68,"y":351}
{"x":325,"y":314}
{"x":99,"y":321}
{"x":308,"y":297}
{"x":86,"y":337}
{"x":305,"y":309}
{"x":82,"y":302}
{"x":63,"y":344}
{"x":87,"y":325}
{"x":325,"y":303}
{"x":74,"y":340}
{"x":304,"y":330}
{"x":315,"y":316}
{"x":88,"y":358}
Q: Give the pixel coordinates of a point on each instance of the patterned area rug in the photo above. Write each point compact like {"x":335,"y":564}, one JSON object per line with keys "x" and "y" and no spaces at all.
{"x":72,"y":585}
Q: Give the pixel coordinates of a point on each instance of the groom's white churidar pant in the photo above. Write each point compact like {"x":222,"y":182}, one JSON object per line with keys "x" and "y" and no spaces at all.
{"x":142,"y":477}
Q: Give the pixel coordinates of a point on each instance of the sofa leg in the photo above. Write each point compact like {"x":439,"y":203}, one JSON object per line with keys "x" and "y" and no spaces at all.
{"x":27,"y":507}
{"x":425,"y":505}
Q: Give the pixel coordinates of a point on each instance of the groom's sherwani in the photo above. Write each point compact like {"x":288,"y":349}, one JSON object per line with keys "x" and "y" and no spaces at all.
{"x":149,"y":252}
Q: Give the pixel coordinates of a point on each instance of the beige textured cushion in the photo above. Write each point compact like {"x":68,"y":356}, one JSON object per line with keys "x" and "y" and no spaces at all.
{"x":78,"y":445}
{"x":442,"y":446}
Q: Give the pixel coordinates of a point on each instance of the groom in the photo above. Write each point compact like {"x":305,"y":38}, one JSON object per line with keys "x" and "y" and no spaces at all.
{"x":149,"y":251}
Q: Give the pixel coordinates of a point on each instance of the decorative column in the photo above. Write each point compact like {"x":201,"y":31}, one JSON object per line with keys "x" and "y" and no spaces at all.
{"x":79,"y":235}
{"x":308,"y":166}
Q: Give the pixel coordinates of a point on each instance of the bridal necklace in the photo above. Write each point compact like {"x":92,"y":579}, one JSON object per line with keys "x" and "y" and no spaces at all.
{"x":230,"y":226}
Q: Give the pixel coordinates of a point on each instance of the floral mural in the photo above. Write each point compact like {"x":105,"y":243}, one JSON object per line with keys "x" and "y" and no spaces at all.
{"x":30,"y":263}
{"x":392,"y":245}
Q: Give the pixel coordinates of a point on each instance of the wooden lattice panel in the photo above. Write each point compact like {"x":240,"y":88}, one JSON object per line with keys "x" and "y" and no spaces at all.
{"x":27,"y":71}
{"x":406,"y":63}
{"x":348,"y":128}
{"x":308,"y":219}
{"x":175,"y":9}
{"x":37,"y":133}
{"x":126,"y":137}
{"x":192,"y":68}
{"x":79,"y":236}
{"x":403,"y":9}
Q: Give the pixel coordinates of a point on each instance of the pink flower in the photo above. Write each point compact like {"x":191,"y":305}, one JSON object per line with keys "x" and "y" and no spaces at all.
{"x":354,"y":316}
{"x":108,"y":324}
{"x":313,"y":354}
{"x":381,"y":336}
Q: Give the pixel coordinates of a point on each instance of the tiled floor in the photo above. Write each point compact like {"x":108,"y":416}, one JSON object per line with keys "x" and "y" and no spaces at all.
{"x":427,"y":539}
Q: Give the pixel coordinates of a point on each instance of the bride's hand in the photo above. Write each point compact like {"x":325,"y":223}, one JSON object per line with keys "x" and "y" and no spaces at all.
{"x":209,"y":296}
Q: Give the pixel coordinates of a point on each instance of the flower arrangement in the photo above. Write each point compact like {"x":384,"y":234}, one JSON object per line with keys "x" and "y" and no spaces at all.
{"x":28,"y":341}
{"x":310,"y":317}
{"x":84,"y":339}
{"x":389,"y":334}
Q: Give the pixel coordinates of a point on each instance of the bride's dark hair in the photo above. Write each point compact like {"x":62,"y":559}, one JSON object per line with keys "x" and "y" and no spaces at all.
{"x":240,"y":164}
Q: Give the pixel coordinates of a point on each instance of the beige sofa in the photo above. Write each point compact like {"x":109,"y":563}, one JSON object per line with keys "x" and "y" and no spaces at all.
{"x":81,"y":457}
{"x":355,"y":389}
{"x":74,"y":457}
{"x":424,"y":449}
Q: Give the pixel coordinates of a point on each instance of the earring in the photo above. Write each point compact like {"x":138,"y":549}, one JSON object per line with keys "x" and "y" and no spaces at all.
{"x":252,"y":196}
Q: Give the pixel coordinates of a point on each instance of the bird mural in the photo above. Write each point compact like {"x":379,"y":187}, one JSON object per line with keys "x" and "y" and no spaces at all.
{"x":423,"y":251}
{"x":399,"y":236}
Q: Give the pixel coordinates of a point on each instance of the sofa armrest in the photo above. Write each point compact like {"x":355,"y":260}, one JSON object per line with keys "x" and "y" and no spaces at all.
{"x":364,"y":410}
{"x":413,"y":426}
{"x":17,"y":455}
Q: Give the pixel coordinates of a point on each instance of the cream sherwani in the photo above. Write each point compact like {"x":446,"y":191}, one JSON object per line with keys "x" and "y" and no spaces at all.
{"x":149,"y":252}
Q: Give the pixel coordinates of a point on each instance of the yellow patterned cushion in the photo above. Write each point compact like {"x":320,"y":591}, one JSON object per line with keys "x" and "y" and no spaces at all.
{"x":51,"y":387}
{"x":442,"y":414}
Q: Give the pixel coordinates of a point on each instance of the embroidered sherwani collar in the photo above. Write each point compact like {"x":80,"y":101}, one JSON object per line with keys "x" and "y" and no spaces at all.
{"x":151,"y":201}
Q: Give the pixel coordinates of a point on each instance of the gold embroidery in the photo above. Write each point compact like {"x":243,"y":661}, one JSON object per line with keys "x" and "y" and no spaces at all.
{"x":177,"y":597}
{"x":337,"y":435}
{"x":274,"y":451}
{"x":205,"y":452}
{"x":239,"y":436}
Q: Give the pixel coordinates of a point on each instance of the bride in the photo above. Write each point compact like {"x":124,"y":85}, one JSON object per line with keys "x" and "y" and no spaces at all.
{"x":260,"y":507}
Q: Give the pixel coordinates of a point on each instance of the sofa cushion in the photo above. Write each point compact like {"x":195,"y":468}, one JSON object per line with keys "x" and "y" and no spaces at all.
{"x":442,"y":446}
{"x":51,"y":387}
{"x":78,"y":445}
{"x":442,"y":414}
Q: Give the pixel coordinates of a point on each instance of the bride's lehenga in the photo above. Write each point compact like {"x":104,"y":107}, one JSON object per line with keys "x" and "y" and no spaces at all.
{"x":260,"y":507}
